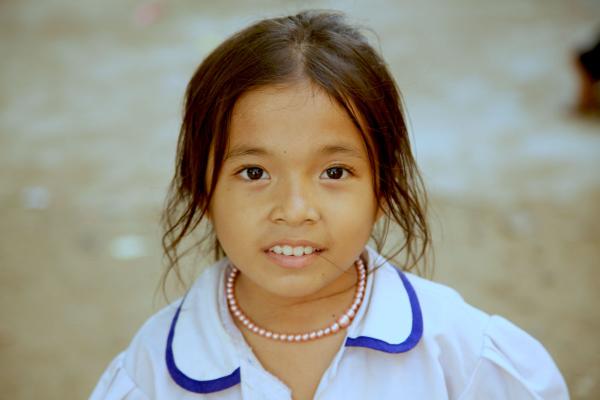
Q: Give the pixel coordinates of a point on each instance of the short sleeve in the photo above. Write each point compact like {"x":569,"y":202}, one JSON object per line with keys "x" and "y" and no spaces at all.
{"x":116,"y":384}
{"x":513,"y":365}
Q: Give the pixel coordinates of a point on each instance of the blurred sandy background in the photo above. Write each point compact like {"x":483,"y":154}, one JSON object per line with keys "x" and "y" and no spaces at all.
{"x":90,"y":97}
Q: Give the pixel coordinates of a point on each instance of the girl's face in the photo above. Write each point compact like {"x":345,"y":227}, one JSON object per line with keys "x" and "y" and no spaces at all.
{"x":296,"y":171}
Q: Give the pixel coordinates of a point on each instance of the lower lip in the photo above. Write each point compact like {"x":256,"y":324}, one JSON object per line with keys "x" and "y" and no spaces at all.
{"x":292,"y":262}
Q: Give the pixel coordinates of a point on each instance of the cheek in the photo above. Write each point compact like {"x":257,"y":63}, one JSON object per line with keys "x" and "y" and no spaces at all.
{"x":352,"y":212}
{"x":234,"y":214}
{"x":229,"y":201}
{"x":224,"y":202}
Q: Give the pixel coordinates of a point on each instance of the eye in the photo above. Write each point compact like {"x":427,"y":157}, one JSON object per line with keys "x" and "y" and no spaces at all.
{"x":253,"y":174}
{"x":336,"y":173}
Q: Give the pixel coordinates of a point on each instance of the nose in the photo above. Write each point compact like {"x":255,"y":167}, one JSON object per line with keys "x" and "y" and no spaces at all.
{"x":294,"y":203}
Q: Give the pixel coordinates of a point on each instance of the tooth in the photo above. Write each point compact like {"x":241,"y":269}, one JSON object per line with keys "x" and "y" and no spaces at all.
{"x":277,"y":249}
{"x":308,"y":250}
{"x":298,"y":251}
{"x":287,"y":250}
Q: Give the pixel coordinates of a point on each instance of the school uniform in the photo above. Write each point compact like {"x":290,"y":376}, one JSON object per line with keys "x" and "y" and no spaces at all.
{"x":411,"y":339}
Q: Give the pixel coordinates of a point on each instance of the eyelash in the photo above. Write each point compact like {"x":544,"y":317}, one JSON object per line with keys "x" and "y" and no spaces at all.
{"x":346,"y":168}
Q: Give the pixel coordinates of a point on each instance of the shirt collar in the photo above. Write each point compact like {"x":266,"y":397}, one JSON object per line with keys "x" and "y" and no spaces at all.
{"x":391,"y":321}
{"x":202,"y":357}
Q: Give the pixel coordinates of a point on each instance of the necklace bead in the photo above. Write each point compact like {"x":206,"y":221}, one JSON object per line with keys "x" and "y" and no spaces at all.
{"x":340,"y":323}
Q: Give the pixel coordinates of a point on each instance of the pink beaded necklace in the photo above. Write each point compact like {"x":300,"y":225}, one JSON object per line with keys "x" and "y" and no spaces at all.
{"x":341,"y":323}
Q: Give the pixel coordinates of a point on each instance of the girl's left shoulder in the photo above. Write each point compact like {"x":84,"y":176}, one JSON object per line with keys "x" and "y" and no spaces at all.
{"x":490,"y":354}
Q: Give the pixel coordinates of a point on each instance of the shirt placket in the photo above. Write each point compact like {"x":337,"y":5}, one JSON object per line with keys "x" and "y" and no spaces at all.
{"x":258,"y":384}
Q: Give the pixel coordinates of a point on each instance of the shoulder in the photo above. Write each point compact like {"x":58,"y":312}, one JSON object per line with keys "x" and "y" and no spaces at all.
{"x":483,"y":356}
{"x":144,"y":359}
{"x":444,"y":310}
{"x":143,"y":364}
{"x":429,"y":291}
{"x":453,"y":330}
{"x":131,"y":373}
{"x":177,"y":326}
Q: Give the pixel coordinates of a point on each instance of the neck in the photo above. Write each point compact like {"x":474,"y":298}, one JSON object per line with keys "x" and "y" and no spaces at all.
{"x":296,"y":314}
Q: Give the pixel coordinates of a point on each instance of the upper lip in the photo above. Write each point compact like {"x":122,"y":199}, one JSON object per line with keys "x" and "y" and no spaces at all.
{"x":294,"y":243}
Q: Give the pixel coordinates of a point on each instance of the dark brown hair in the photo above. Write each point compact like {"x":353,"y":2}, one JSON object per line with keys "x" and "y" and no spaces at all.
{"x":335,"y":56}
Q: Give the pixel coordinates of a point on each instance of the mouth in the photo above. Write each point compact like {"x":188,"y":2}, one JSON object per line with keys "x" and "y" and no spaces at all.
{"x":293,"y":257}
{"x":294,"y":251}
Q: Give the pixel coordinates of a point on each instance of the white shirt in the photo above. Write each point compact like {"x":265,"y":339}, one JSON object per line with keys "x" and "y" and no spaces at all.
{"x":411,"y":339}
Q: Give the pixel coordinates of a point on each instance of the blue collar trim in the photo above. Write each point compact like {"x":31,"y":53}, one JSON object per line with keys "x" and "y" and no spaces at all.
{"x":412,"y":339}
{"x":233,"y":379}
{"x":185,"y":381}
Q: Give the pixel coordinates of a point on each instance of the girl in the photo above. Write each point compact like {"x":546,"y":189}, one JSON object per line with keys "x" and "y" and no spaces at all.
{"x":293,"y":146}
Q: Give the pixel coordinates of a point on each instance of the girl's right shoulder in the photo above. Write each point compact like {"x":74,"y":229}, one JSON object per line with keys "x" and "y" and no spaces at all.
{"x":129,"y":373}
{"x":140,"y":371}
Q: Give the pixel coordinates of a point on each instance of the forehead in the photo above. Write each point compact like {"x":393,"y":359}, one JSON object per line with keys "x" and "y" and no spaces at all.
{"x":291,"y":117}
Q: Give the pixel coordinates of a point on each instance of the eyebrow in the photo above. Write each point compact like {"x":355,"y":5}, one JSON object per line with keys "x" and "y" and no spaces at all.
{"x":328,"y":149}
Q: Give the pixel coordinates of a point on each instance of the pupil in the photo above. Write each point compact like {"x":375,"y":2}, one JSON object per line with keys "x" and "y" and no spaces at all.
{"x":254,"y":173}
{"x":334,"y":173}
